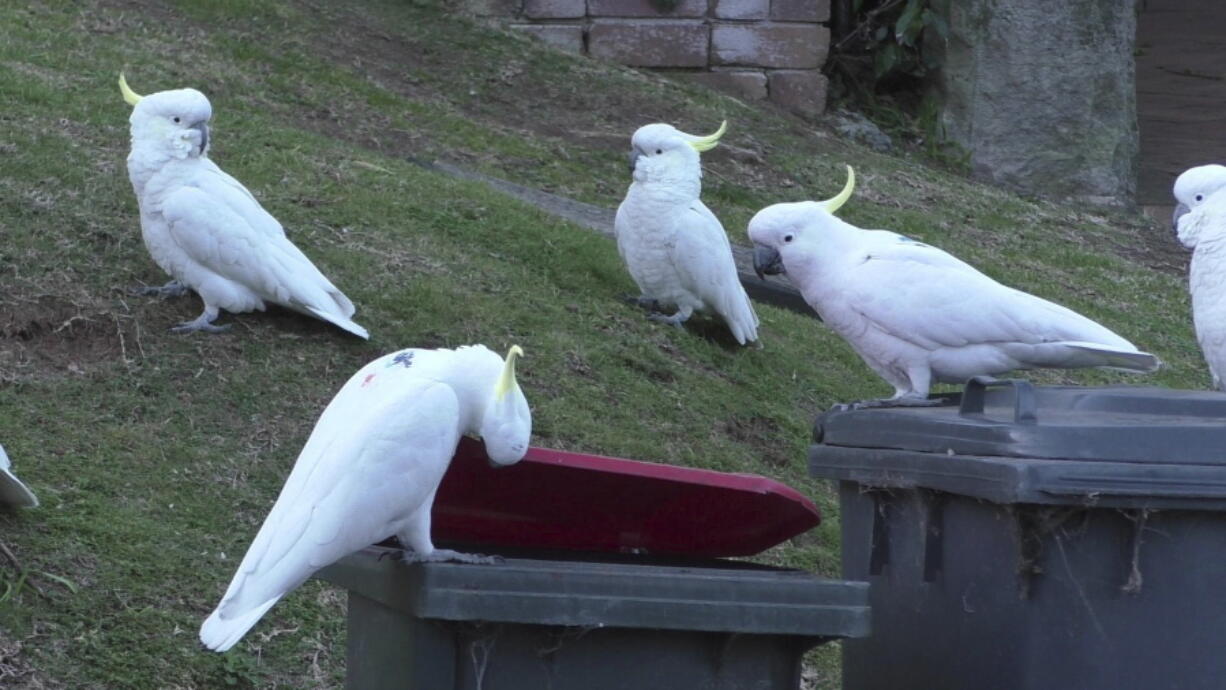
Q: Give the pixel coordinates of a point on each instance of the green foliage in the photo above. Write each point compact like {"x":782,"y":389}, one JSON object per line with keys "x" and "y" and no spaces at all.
{"x":902,"y":38}
{"x":17,"y":579}
{"x":879,"y":64}
{"x":936,"y":146}
{"x":241,"y":670}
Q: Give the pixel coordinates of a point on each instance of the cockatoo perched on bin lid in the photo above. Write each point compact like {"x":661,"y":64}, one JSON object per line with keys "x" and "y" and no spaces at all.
{"x":674,"y":247}
{"x":916,"y":314}
{"x":206,"y":230}
{"x":370,"y":470}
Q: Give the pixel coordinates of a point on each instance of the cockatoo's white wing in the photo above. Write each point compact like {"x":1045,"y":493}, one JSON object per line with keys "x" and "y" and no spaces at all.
{"x":702,"y":256}
{"x":619,"y":229}
{"x":13,"y":491}
{"x":356,"y":484}
{"x":217,"y":227}
{"x":241,"y":200}
{"x":923,"y":295}
{"x":888,"y":242}
{"x":221,"y":183}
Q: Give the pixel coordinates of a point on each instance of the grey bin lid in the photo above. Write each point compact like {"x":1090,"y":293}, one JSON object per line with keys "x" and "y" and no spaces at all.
{"x":1010,"y":441}
{"x":722,"y":597}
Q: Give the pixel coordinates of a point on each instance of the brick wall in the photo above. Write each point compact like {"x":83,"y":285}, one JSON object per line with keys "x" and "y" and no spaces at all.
{"x":756,"y":49}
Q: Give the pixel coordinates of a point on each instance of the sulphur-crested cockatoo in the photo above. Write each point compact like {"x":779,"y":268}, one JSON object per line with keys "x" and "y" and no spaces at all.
{"x":206,"y":230}
{"x":1200,"y":224}
{"x":674,"y":247}
{"x":370,"y":469}
{"x":916,"y":314}
{"x":1192,"y":188}
{"x":12,"y":491}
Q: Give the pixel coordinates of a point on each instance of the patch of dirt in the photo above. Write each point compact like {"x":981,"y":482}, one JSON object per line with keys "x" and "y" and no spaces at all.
{"x":761,"y":433}
{"x":651,"y":370}
{"x":1152,"y":246}
{"x":51,"y":334}
{"x":16,"y":671}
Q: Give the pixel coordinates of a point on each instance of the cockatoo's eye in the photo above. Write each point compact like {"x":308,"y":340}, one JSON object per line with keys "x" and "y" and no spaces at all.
{"x":787,"y":238}
{"x":176,"y":119}
{"x":659,"y":150}
{"x":1200,"y":197}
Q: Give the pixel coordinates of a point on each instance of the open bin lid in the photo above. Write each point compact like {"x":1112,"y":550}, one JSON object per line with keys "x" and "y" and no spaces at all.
{"x":559,"y":500}
{"x":1010,"y":441}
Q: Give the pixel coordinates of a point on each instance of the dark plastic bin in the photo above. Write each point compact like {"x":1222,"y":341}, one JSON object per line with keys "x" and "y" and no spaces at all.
{"x":1019,"y":538}
{"x":620,"y":624}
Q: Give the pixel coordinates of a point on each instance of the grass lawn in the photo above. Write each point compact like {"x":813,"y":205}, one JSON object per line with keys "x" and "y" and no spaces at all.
{"x":157,"y":455}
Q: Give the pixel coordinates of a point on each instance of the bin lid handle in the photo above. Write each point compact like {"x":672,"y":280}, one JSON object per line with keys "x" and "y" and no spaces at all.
{"x":1024,"y":406}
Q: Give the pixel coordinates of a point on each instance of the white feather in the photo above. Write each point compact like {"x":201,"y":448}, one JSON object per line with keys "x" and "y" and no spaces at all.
{"x":206,"y":230}
{"x":13,"y":491}
{"x":674,"y":248}
{"x":1203,"y":229}
{"x":916,"y":314}
{"x":369,"y":471}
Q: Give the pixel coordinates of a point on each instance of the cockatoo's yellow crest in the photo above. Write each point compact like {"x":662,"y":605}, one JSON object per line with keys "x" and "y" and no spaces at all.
{"x":836,"y":202}
{"x":130,"y":96}
{"x":708,"y":142}
{"x":507,"y":381}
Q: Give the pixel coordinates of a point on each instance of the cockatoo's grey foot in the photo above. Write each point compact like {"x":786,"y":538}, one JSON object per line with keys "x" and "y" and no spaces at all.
{"x":437,"y":555}
{"x":912,"y":402}
{"x":204,"y":322}
{"x":643,"y":301}
{"x":674,"y":320}
{"x":905,"y":401}
{"x":172,"y":289}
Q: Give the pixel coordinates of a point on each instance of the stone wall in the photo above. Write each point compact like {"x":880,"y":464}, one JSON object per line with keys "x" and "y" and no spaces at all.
{"x":755,"y":49}
{"x":1043,"y":95}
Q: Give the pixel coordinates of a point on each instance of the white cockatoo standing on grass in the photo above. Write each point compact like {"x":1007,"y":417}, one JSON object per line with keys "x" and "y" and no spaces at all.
{"x":12,"y":491}
{"x":371,"y":468}
{"x":1200,"y":224}
{"x":916,"y":314}
{"x":674,"y":247}
{"x":206,"y":230}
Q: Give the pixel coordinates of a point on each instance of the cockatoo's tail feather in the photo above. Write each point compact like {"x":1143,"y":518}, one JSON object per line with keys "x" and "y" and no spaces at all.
{"x":1118,"y":358}
{"x":341,"y":321}
{"x":220,"y":634}
{"x":13,"y":491}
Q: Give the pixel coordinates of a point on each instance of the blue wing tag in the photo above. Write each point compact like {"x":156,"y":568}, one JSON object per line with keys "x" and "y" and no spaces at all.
{"x":404,"y":358}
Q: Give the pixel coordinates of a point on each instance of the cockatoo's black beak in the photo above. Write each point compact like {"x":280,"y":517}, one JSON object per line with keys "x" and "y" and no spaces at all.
{"x":203,"y":128}
{"x":766,"y":261}
{"x":634,"y":159}
{"x":1180,"y":210}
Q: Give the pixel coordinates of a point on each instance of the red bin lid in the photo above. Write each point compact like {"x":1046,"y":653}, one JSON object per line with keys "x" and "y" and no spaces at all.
{"x":553,"y":499}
